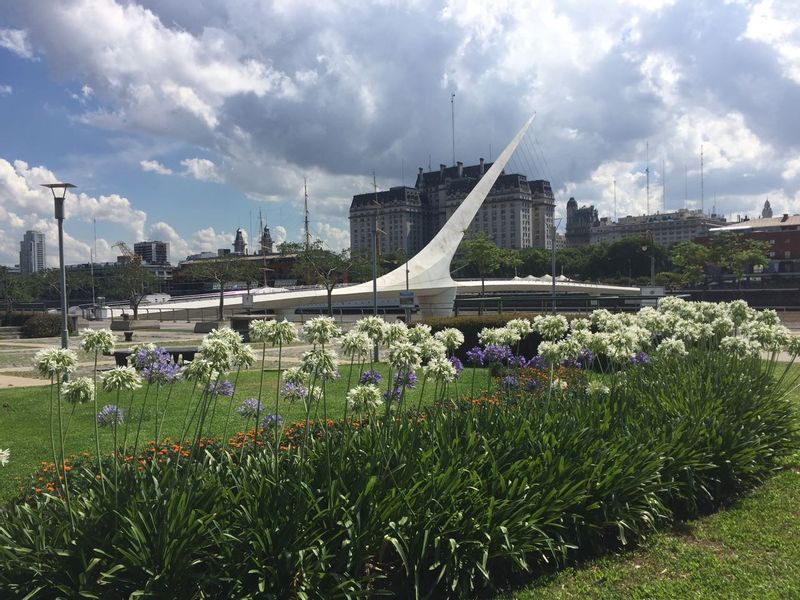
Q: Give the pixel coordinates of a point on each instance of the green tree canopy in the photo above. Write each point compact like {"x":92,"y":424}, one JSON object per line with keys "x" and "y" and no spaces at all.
{"x":318,"y":266}
{"x":479,"y":251}
{"x":222,"y":271}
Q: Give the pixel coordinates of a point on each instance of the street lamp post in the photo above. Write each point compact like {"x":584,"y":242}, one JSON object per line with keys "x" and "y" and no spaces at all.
{"x":651,"y":244}
{"x":59,"y":193}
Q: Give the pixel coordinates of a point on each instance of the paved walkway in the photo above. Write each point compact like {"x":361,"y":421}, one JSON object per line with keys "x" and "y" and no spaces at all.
{"x":11,"y":381}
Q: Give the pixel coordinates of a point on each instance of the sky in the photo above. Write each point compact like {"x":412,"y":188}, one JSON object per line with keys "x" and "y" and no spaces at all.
{"x":183,"y":121}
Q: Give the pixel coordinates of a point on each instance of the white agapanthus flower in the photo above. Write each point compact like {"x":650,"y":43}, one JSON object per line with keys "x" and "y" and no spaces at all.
{"x":364,"y":398}
{"x":580,"y":325}
{"x":244,"y":356}
{"x":739,"y":312}
{"x":278,"y":333}
{"x":320,"y":363}
{"x":97,"y":340}
{"x":670,"y":347}
{"x":321,"y":330}
{"x":440,"y":369}
{"x":5,"y":456}
{"x":522,"y":326}
{"x":559,"y":385}
{"x":404,"y":355}
{"x":551,"y":327}
{"x":295,"y":375}
{"x":597,"y":388}
{"x":507,"y":336}
{"x":419,"y":333}
{"x":121,"y":378}
{"x":395,"y":332}
{"x":355,"y":344}
{"x":373,"y":326}
{"x":200,"y":369}
{"x":451,"y":337}
{"x":740,"y":347}
{"x":431,"y":349}
{"x":78,"y":391}
{"x":491,"y":335}
{"x":51,"y":362}
{"x":222,"y":348}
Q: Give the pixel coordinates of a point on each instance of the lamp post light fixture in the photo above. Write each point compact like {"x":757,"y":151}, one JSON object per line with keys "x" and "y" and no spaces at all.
{"x":652,"y":246}
{"x":59,"y":193}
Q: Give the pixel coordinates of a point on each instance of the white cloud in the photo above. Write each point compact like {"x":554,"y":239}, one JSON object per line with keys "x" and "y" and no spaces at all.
{"x":202,"y":169}
{"x":24,"y":204}
{"x":333,"y":237}
{"x":208,"y":240}
{"x":776,"y":24}
{"x":155,"y":167}
{"x":16,"y":40}
{"x":279,"y":235}
{"x":5,"y":90}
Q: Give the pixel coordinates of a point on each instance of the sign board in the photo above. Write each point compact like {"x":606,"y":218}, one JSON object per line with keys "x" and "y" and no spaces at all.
{"x":247,"y":301}
{"x":656,"y":290}
{"x":407,"y":299}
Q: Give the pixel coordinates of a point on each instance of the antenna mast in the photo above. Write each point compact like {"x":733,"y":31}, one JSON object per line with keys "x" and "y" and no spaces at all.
{"x":702,"y":190}
{"x":647,"y":175}
{"x":305,"y":195}
{"x":453,"y":124}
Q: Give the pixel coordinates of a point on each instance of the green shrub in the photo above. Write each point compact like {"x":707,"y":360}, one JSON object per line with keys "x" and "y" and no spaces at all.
{"x":42,"y":325}
{"x":448,"y":505}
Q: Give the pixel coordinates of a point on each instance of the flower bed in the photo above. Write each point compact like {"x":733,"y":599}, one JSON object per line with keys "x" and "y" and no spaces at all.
{"x":536,"y":462}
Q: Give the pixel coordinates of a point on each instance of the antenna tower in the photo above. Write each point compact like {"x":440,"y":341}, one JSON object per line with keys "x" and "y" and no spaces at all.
{"x":453,"y":124}
{"x":647,"y":175}
{"x":305,"y":223}
{"x":702,"y":183}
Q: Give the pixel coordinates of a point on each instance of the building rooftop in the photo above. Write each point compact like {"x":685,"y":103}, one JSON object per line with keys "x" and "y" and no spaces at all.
{"x":784,"y":221}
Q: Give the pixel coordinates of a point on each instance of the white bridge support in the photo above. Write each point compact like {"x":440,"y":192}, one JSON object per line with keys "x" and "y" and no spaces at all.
{"x":428,"y":271}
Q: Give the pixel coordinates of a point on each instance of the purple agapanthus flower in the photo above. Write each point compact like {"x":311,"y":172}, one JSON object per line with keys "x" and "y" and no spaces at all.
{"x":537,"y":362}
{"x":517,"y":361}
{"x":393,"y":395}
{"x":156,"y":365}
{"x":457,"y":365}
{"x":249,"y":408}
{"x":531,"y":385}
{"x":475,"y":357}
{"x":270,"y":421}
{"x":585,"y":357}
{"x":408,"y":379}
{"x":571,"y":363}
{"x":222,"y":388}
{"x":109,"y":415}
{"x":293,"y":392}
{"x":640,"y":358}
{"x":510,"y":382}
{"x":496,"y":353}
{"x":371,"y":376}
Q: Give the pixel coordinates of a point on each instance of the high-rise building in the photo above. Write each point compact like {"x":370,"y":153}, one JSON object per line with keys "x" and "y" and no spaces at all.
{"x":32,"y":255}
{"x":579,"y":224}
{"x":152,"y":253}
{"x":517,"y":213}
{"x":766,"y":212}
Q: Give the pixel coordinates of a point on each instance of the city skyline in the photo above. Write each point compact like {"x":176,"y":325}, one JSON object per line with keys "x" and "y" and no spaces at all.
{"x":179,"y":126}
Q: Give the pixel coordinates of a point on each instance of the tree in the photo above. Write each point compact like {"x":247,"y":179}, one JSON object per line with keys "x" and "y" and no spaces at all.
{"x":690,"y":260}
{"x":736,"y":253}
{"x":481,"y":253}
{"x":129,"y":280}
{"x":318,"y":266}
{"x":222,"y":271}
{"x":14,"y":288}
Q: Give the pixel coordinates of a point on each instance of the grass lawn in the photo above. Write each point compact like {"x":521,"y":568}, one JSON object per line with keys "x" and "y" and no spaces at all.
{"x":24,"y":417}
{"x":749,"y":550}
